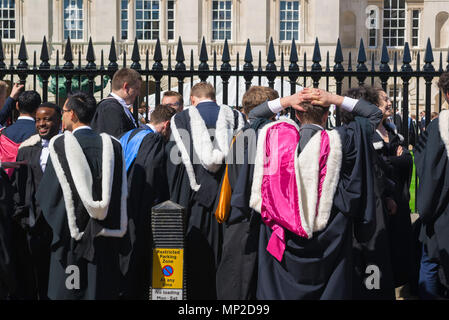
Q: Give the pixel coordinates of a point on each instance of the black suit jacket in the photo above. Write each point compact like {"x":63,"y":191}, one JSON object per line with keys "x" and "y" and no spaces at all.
{"x":20,"y":130}
{"x":111,"y":118}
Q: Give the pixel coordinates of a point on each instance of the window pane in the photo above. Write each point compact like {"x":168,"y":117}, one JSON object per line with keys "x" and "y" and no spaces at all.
{"x":171,"y":15}
{"x":282,"y":5}
{"x":124,"y":35}
{"x":171,"y":24}
{"x":295,"y":5}
{"x":171,"y":35}
{"x":228,"y":35}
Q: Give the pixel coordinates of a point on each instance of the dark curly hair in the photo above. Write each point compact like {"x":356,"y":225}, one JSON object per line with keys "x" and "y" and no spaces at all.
{"x":443,"y":83}
{"x":368,"y":93}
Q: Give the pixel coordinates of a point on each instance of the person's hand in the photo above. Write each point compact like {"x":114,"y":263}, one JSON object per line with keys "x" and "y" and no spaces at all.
{"x":296,"y":99}
{"x":322,"y":98}
{"x":16,"y":91}
{"x":391,"y":206}
{"x":399,"y":151}
{"x":13,"y":165}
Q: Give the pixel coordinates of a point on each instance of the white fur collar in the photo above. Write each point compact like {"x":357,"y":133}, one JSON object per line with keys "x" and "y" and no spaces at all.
{"x":307,"y":178}
{"x":31,"y":141}
{"x":443,"y":126}
{"x":82,"y":178}
{"x":211,"y":157}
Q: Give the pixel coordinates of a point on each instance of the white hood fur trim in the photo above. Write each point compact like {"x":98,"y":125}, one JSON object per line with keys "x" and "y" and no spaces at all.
{"x":31,"y":141}
{"x":255,"y":201}
{"x":330,"y":181}
{"x":211,"y":157}
{"x":184,"y":155}
{"x":307,"y":174}
{"x":82,"y":178}
{"x":443,"y":126}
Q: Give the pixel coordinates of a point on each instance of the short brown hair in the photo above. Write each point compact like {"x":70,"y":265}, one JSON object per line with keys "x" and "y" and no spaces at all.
{"x":161,"y":114}
{"x":313,"y":113}
{"x":257,"y":95}
{"x":203,"y":90}
{"x":443,"y":83}
{"x":174,"y":94}
{"x":123,"y":75}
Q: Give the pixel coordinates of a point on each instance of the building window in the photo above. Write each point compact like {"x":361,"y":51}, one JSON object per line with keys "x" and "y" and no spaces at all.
{"x":373,"y":25}
{"x":221,"y":19}
{"x":8,"y":19}
{"x":73,"y":19}
{"x":394,"y":22}
{"x":147,"y":19}
{"x":170,"y":19}
{"x":289,"y":20}
{"x":415,"y":28}
{"x":124,"y":18}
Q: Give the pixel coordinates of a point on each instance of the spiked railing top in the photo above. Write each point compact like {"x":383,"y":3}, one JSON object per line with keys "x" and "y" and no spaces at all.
{"x":428,"y":57}
{"x":68,"y":57}
{"x":338,"y":59}
{"x":135,"y":56}
{"x":90,"y":57}
{"x":248,"y":66}
{"x":316,"y":58}
{"x":225,"y":58}
{"x":271,"y":58}
{"x":361,"y":59}
{"x":203,"y":57}
{"x":112,"y":57}
{"x":23,"y":55}
{"x":293,"y":57}
{"x":385,"y":59}
{"x":406,"y":59}
{"x":180,"y":58}
{"x":157,"y":65}
{"x":44,"y":55}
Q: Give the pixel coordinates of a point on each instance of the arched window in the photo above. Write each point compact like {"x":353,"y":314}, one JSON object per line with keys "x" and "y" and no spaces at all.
{"x":73,"y":19}
{"x":221,"y":19}
{"x":394,"y":23}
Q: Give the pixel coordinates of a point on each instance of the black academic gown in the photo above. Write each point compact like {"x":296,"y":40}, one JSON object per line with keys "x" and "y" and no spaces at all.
{"x":375,"y":251}
{"x":322,"y":267}
{"x":147,"y":186}
{"x":9,"y":273}
{"x":431,"y":159}
{"x":399,"y":226}
{"x":204,"y":234}
{"x":110,"y":117}
{"x":96,"y":257}
{"x":237,"y":270}
{"x":29,"y":215}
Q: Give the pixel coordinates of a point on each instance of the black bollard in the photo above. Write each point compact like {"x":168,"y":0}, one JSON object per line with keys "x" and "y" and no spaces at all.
{"x":168,"y":279}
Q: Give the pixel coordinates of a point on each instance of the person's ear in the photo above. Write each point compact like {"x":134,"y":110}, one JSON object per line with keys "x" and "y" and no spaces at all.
{"x":17,"y":105}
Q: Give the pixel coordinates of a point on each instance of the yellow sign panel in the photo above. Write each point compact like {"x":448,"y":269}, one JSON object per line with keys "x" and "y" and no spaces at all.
{"x":168,"y":268}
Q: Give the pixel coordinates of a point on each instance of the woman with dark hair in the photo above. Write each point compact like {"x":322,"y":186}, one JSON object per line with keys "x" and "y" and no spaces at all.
{"x":391,"y":248}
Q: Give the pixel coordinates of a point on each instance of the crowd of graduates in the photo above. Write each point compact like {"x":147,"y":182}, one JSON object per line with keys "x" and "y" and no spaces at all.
{"x":279,"y":205}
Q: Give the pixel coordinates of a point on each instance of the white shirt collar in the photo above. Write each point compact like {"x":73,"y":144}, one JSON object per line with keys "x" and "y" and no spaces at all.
{"x":120,"y":100}
{"x":151,"y":127}
{"x":25,"y":118}
{"x":45,"y":143}
{"x":82,"y":127}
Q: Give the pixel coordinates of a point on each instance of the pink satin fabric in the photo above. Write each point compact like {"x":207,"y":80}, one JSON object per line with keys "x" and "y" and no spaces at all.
{"x":279,"y":191}
{"x":324,"y":154}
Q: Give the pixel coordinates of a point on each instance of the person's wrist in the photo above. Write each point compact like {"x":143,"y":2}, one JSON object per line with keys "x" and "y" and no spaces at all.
{"x":337,"y":100}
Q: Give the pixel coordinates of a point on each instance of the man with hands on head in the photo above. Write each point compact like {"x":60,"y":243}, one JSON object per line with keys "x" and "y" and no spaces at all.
{"x":327,"y":184}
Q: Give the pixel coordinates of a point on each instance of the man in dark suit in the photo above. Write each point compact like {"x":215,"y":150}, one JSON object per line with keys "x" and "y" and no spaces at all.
{"x":82,"y":196}
{"x":33,"y":232}
{"x":113,"y":115}
{"x":22,"y":129}
{"x":25,"y":125}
